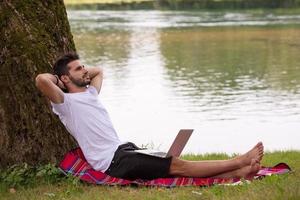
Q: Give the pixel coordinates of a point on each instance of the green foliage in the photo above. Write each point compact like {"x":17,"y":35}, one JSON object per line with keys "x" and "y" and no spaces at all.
{"x":25,"y":175}
{"x":49,"y":173}
{"x":183,"y":4}
{"x":17,"y":175}
{"x":228,"y":4}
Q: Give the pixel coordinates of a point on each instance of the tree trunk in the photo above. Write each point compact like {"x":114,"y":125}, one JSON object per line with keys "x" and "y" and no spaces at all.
{"x":33,"y":34}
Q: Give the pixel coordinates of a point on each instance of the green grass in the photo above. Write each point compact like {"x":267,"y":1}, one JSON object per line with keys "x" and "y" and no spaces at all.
{"x":51,"y":185}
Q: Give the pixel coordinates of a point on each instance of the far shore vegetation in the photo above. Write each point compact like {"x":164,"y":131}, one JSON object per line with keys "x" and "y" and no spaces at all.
{"x":181,"y":4}
{"x":70,"y":2}
{"x":47,"y":182}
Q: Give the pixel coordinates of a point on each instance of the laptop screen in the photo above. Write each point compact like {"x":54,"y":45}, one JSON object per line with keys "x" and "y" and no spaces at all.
{"x":180,"y":142}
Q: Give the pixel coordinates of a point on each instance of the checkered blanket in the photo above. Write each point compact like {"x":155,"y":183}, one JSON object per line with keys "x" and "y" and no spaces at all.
{"x":75,"y":164}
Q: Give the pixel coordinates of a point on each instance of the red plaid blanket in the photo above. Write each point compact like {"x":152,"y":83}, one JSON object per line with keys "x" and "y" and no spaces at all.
{"x":74,"y":163}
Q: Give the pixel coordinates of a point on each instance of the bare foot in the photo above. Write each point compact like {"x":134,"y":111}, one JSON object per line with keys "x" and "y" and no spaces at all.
{"x":248,"y":172}
{"x":255,"y":153}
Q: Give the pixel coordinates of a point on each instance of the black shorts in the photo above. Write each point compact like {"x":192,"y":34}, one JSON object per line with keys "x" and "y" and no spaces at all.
{"x":131,"y":165}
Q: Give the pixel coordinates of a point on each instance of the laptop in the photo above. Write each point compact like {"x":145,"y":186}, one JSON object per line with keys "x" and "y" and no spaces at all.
{"x":175,"y":149}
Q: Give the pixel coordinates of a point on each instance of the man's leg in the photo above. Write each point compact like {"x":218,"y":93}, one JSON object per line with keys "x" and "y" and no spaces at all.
{"x":247,"y":172}
{"x":217,"y":167}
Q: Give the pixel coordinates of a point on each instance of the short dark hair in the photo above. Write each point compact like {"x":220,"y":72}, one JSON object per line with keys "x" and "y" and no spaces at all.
{"x":60,"y":66}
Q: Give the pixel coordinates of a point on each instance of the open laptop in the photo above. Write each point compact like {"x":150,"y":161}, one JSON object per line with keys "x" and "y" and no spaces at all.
{"x":175,"y":149}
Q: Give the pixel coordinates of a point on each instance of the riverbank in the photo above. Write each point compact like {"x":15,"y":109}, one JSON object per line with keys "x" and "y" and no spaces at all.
{"x":48,"y":183}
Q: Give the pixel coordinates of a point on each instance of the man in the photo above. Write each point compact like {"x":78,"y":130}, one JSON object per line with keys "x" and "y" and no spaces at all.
{"x":82,"y":113}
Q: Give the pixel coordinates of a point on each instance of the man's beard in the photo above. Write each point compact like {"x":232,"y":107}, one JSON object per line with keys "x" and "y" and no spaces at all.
{"x":78,"y":82}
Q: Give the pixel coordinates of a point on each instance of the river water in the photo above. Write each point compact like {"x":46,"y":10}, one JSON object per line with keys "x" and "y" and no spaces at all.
{"x":234,"y":77}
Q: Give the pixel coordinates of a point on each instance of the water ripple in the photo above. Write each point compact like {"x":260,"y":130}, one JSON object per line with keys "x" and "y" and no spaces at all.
{"x":167,"y":19}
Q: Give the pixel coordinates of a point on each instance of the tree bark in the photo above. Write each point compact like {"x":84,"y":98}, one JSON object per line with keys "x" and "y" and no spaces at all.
{"x":33,"y":34}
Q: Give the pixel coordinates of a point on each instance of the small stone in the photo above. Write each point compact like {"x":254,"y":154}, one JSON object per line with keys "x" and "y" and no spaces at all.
{"x":49,"y":194}
{"x":195,"y":192}
{"x":12,"y":190}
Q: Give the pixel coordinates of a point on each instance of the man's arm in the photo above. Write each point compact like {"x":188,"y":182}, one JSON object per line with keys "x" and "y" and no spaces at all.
{"x":46,"y":83}
{"x":96,"y":76}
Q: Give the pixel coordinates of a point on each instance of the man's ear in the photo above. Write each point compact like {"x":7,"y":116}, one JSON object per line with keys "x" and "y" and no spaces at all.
{"x":65,"y":79}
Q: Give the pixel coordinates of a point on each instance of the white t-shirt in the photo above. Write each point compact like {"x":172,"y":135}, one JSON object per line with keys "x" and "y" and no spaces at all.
{"x":88,"y":121}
